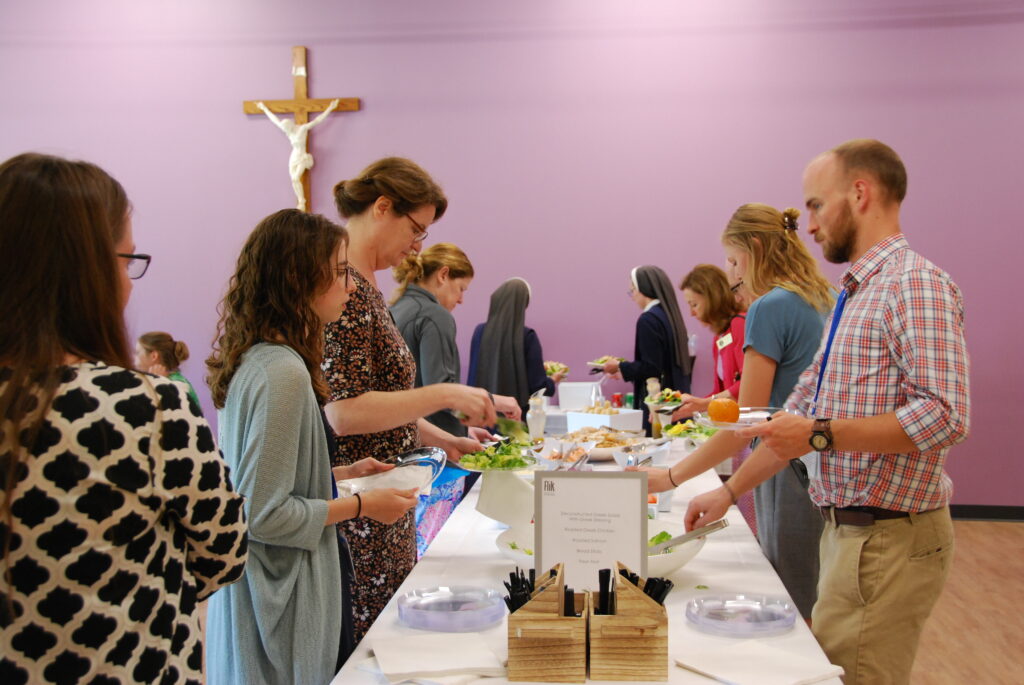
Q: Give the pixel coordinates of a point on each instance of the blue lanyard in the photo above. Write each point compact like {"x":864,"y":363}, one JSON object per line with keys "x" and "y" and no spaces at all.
{"x":840,"y":304}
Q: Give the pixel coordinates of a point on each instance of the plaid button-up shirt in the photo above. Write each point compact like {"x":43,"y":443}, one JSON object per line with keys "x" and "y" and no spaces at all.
{"x":899,"y":347}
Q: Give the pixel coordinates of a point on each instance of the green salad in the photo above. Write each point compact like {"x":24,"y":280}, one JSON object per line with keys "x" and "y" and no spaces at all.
{"x":688,"y":429}
{"x":504,"y":456}
{"x":663,"y":536}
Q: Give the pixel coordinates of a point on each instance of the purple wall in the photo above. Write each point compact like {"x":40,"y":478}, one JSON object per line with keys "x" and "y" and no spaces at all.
{"x":575,"y":140}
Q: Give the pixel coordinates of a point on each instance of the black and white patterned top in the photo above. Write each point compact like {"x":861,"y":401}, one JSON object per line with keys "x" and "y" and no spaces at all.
{"x":124,"y":518}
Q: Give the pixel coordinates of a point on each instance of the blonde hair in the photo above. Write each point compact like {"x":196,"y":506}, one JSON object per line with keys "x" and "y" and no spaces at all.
{"x":417,"y":268}
{"x":778,"y":257}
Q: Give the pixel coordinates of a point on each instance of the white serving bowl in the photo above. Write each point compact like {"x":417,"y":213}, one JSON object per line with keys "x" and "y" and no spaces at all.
{"x":664,"y":565}
{"x":524,"y":540}
{"x":658,"y":452}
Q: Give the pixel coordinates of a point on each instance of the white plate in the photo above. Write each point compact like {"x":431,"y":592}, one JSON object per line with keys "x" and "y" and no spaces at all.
{"x":742,"y":615}
{"x":749,"y":416}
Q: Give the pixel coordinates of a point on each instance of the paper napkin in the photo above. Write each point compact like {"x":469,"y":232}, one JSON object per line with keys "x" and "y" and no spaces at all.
{"x":431,"y":657}
{"x":753,"y":662}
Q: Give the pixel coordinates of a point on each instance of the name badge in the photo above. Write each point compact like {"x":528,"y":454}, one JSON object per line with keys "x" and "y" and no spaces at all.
{"x":724,"y":341}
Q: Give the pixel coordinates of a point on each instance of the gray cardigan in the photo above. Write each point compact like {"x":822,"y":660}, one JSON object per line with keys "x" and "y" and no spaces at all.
{"x":429,"y":331}
{"x":281,"y":623}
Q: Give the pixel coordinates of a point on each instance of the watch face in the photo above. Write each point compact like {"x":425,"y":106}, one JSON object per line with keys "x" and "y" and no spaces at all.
{"x":819,"y":441}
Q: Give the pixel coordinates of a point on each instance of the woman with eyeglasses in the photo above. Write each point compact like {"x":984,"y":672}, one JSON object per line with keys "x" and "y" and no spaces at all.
{"x":707,"y":293}
{"x":713,"y":302}
{"x":783,"y":331}
{"x":289,"y":620}
{"x":374,"y":408}
{"x":117,"y":515}
{"x":661,"y":344}
{"x":158,"y":353}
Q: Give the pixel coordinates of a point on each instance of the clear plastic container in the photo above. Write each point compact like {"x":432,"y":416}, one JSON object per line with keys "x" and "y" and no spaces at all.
{"x":742,"y":615}
{"x":451,"y":609}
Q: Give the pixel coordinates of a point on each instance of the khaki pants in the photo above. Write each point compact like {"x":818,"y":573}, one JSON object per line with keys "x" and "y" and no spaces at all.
{"x":877,"y":586}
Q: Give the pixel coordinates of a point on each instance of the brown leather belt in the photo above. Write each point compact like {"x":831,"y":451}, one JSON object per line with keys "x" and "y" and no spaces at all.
{"x":859,"y":516}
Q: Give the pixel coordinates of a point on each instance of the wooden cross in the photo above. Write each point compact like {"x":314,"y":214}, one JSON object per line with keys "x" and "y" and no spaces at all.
{"x":300,"y":106}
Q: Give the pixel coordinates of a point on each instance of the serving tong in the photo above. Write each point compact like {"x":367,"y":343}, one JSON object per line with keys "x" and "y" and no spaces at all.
{"x":692,"y":535}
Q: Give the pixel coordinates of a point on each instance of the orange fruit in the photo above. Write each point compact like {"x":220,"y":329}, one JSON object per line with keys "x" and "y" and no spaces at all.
{"x":724,"y":410}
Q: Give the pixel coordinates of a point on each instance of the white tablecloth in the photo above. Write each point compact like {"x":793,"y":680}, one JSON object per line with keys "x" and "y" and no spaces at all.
{"x":465,"y":552}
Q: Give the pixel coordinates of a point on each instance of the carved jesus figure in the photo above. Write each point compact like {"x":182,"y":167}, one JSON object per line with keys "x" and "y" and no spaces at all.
{"x":300,"y":160}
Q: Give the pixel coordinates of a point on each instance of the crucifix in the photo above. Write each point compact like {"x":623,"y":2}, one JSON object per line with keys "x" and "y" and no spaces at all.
{"x":300,"y":161}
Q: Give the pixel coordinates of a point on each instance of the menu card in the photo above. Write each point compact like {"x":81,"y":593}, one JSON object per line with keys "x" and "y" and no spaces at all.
{"x":588,"y":521}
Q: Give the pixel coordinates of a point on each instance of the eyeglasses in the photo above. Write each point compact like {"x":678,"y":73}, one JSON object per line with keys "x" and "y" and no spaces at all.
{"x":344,"y":271}
{"x":137,"y":264}
{"x":420,"y":234}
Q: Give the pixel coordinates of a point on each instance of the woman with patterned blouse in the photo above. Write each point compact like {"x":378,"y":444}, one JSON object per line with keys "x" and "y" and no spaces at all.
{"x":116,"y":515}
{"x":374,"y":408}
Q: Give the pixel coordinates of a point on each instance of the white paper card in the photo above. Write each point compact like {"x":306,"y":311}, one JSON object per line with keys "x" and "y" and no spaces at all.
{"x":753,"y":662}
{"x":588,"y":521}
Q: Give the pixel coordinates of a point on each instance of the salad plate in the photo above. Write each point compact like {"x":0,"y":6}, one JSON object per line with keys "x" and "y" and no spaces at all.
{"x":507,"y":456}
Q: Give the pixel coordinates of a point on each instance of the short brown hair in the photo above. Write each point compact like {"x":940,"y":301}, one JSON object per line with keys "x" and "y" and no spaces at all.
{"x":711,"y":283}
{"x":400,"y":180}
{"x":877,"y":159}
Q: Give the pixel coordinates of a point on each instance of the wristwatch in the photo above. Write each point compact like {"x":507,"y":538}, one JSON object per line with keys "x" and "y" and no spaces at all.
{"x":821,"y":435}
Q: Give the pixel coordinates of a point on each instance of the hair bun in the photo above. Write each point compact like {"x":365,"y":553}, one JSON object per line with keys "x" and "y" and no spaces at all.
{"x":789,"y":217}
{"x":409,"y":270}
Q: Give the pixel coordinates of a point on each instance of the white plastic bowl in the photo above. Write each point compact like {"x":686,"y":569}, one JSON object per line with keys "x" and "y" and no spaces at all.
{"x":664,"y":565}
{"x":523,"y":540}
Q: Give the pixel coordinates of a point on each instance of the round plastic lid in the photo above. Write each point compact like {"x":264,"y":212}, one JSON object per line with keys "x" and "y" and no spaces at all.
{"x":451,"y":608}
{"x":742,"y":615}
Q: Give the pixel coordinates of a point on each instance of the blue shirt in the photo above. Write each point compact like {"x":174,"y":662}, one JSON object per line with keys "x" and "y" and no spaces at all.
{"x":782,"y":326}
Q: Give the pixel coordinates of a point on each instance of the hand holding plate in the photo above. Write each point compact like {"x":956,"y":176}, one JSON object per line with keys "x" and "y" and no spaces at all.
{"x":387,"y":505}
{"x":785,"y":434}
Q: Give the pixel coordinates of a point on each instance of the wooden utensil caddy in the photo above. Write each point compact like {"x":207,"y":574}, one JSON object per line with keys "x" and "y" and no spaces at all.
{"x":631,"y":644}
{"x":544,"y":646}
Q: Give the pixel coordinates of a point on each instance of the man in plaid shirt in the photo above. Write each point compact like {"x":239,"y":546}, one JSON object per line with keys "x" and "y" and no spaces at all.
{"x":881,"y":404}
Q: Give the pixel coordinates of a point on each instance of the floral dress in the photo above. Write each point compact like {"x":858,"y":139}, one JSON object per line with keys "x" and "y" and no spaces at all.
{"x":363,"y":351}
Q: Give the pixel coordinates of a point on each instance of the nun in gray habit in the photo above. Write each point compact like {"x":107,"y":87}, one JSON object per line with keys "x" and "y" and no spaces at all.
{"x":660,"y":350}
{"x":505,"y":356}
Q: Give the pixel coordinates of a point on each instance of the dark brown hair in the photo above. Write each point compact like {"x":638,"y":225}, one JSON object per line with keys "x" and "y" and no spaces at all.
{"x":61,"y":290}
{"x":401,"y":180}
{"x":170,"y":351}
{"x":877,"y":159}
{"x":283,"y":266}
{"x":711,"y":283}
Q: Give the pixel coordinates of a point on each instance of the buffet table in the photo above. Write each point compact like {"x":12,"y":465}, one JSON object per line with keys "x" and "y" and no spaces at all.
{"x":465,"y":552}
